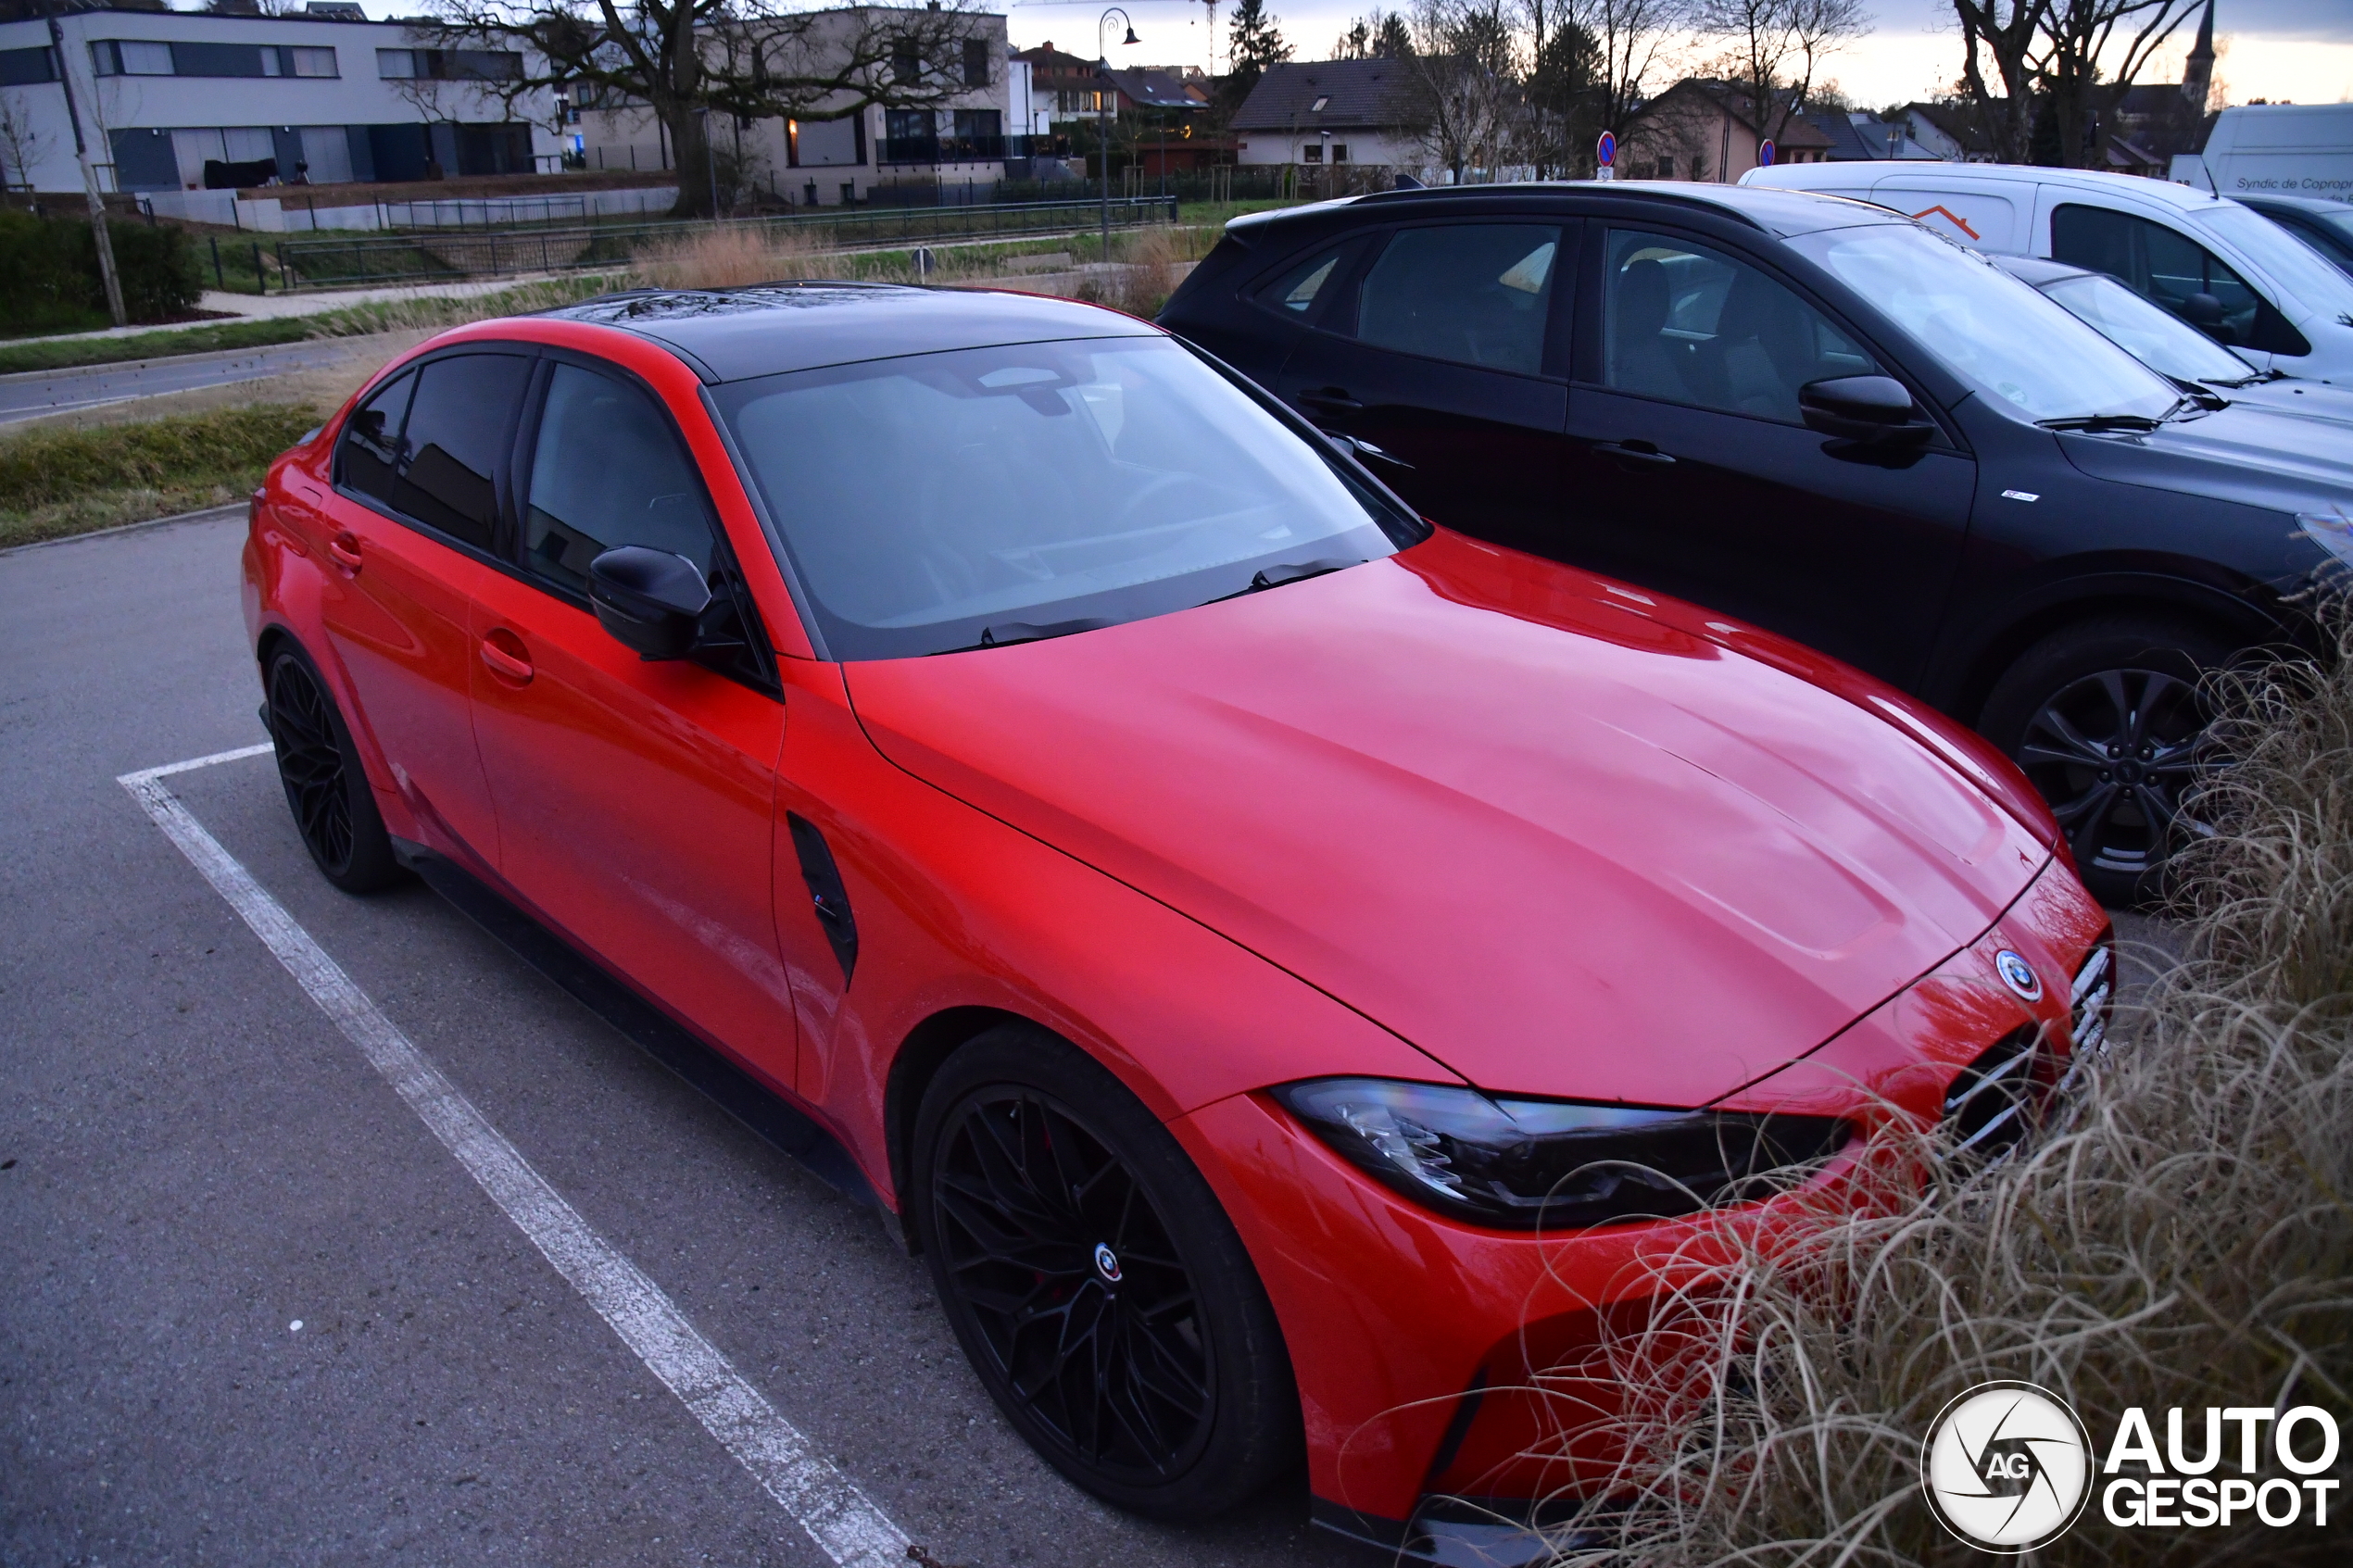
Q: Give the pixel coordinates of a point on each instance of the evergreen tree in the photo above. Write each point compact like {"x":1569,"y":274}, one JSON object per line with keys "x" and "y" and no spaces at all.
{"x":1253,"y":42}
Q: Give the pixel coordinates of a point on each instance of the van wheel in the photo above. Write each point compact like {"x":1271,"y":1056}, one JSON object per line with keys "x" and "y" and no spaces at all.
{"x":1095,"y":1282}
{"x":2109,"y":721}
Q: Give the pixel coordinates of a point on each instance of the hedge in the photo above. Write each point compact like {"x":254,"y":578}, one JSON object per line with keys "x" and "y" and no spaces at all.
{"x":49,"y":274}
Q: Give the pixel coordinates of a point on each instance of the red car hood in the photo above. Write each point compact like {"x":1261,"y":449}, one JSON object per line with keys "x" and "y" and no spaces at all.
{"x":1496,"y":805}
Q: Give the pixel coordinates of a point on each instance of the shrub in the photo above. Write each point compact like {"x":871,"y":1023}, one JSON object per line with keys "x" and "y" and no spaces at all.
{"x":2185,"y":1239}
{"x":49,"y":277}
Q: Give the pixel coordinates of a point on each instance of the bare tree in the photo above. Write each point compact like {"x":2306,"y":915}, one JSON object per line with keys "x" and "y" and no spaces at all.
{"x":1635,"y":43}
{"x":752,"y":58}
{"x":1772,"y":49}
{"x":1563,"y":76}
{"x":2093,"y":52}
{"x":1464,"y":75}
{"x":22,"y":142}
{"x":2004,"y":33}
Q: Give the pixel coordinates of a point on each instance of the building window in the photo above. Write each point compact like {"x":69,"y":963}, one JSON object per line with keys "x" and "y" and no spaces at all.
{"x":22,"y":68}
{"x":975,"y":62}
{"x":110,"y":57}
{"x":1312,"y":153}
{"x":1340,"y":152}
{"x":906,"y":66}
{"x":449,"y":65}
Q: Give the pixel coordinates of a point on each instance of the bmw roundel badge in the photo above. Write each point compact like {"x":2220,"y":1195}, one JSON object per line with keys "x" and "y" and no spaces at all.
{"x":2019,"y":975}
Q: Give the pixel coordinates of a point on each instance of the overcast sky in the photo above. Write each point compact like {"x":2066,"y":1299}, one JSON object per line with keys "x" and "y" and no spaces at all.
{"x":2295,"y":49}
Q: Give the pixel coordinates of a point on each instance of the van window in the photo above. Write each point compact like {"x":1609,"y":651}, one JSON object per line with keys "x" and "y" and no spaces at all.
{"x":2176,"y":271}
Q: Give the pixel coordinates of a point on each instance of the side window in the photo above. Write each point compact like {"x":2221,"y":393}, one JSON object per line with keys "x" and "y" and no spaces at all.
{"x":2168,"y":267}
{"x":1299,"y":290}
{"x":457,"y":425}
{"x":1477,"y":294}
{"x":1687,"y":323}
{"x":369,"y":457}
{"x":606,"y":472}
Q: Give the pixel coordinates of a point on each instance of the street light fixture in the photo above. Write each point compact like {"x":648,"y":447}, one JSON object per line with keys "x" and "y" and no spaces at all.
{"x":1102,"y":105}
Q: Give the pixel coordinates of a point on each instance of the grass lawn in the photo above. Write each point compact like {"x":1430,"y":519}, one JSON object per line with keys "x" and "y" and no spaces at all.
{"x":56,"y":483}
{"x":51,"y":354}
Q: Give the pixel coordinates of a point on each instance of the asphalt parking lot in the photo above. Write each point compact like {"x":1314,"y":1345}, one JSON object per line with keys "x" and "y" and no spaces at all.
{"x":258,"y":1313}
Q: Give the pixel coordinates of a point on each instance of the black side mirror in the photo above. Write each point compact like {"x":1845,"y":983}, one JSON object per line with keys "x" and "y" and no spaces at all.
{"x":650,"y":601}
{"x":1876,"y":410}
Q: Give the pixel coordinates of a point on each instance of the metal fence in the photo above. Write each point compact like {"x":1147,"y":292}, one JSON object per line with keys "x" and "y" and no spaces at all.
{"x":497,"y":252}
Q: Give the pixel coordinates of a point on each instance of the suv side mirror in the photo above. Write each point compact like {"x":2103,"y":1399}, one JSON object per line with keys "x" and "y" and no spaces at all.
{"x":650,"y":601}
{"x":2204,"y":311}
{"x":1876,"y":410}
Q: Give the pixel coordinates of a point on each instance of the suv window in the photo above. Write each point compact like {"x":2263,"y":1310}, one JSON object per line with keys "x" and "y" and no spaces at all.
{"x":2168,"y":267}
{"x":1687,"y":323}
{"x":1298,"y":290}
{"x":368,"y":459}
{"x":606,"y":472}
{"x":1477,"y":294}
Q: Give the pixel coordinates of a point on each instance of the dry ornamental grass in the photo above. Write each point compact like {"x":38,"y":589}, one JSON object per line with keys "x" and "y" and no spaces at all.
{"x":2182,"y":1237}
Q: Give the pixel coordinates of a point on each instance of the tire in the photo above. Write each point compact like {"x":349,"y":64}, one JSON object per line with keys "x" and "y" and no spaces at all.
{"x":335,"y":810}
{"x":2108,"y":720}
{"x":1154,"y":1377}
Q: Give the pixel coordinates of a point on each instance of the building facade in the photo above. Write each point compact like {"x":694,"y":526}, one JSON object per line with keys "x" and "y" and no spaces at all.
{"x":984,"y":118}
{"x":1323,"y":113}
{"x":186,"y":101}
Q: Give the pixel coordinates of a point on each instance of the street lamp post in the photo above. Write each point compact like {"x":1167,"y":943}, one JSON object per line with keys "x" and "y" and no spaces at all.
{"x":1102,"y":105}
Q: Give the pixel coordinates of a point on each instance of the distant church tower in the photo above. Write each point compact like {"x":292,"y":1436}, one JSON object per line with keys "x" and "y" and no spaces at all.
{"x":2197,"y":74}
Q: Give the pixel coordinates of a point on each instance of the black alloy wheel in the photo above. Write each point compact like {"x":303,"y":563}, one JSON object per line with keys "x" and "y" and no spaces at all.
{"x":1095,"y":1285}
{"x":333,"y":808}
{"x":2110,"y":724}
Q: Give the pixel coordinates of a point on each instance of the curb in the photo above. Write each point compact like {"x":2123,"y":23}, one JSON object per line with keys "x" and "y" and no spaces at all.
{"x":209,"y":514}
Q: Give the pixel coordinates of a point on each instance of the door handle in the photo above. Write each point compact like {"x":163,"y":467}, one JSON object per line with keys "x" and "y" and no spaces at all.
{"x":344,"y":548}
{"x":504,"y":662}
{"x":1335,"y":397}
{"x":1635,"y":452}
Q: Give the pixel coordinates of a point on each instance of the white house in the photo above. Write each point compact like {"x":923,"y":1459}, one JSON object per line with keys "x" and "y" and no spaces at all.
{"x":986,"y":117}
{"x":187,"y":101}
{"x":1355,"y":109}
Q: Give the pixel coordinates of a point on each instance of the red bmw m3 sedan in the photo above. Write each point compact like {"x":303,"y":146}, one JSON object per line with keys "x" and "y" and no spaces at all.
{"x":1281,"y":962}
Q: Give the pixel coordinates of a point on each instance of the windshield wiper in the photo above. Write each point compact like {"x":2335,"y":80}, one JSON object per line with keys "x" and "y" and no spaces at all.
{"x":2258,"y":378}
{"x":2096,"y":424}
{"x":1268,"y":577}
{"x":1005,"y":634}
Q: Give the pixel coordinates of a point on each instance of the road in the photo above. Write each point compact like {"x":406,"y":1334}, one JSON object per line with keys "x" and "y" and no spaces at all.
{"x":31,"y":393}
{"x":194,"y":1159}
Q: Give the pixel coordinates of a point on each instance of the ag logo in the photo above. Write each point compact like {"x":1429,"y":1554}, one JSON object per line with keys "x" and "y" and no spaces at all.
{"x":2006,"y":1467}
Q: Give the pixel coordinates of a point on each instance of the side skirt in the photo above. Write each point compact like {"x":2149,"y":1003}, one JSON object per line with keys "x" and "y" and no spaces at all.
{"x":776,"y":1122}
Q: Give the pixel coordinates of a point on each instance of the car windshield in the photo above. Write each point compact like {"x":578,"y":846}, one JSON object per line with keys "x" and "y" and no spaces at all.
{"x":977,"y":497}
{"x":2288,"y":262}
{"x":2150,"y":333}
{"x":1988,"y":328}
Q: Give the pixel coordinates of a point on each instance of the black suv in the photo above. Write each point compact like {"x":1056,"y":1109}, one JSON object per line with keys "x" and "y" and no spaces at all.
{"x":1817,"y":417}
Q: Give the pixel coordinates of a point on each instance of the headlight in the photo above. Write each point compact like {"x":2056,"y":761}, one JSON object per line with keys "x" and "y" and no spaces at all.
{"x":1526,"y":1164}
{"x":2332,"y":530}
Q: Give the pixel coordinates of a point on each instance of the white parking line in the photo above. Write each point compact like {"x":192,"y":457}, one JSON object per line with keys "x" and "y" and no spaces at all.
{"x":840,"y":1518}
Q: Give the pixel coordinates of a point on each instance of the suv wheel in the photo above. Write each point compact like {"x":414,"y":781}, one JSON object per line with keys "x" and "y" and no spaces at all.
{"x":1095,"y":1282}
{"x":2109,"y":719}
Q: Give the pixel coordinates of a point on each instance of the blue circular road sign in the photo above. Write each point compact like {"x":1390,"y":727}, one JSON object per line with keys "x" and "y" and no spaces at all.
{"x":1605,"y":150}
{"x":1765,"y":153}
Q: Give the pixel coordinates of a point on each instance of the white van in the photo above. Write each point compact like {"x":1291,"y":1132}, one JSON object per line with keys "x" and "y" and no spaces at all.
{"x":2227,"y":271}
{"x":2275,"y":150}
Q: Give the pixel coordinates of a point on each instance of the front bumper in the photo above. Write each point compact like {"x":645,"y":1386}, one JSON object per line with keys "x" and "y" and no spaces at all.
{"x":1435,"y":1360}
